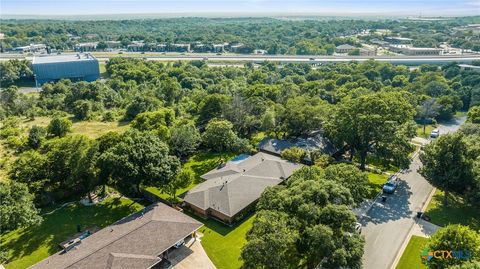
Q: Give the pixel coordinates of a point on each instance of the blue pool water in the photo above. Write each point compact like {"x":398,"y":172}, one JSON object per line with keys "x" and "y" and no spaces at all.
{"x":240,"y":158}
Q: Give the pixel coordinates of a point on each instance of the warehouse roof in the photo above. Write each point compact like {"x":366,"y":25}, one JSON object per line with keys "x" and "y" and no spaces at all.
{"x":63,"y":58}
{"x":133,"y":242}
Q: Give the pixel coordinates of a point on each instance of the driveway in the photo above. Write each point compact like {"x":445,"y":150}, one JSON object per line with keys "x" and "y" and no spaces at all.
{"x":191,"y":256}
{"x":387,"y":225}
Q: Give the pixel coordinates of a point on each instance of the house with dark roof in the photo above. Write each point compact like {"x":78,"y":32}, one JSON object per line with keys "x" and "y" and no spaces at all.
{"x":232,"y":188}
{"x":311,"y":142}
{"x":139,"y":241}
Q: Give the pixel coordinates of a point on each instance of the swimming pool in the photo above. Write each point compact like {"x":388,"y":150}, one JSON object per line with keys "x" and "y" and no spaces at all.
{"x":239,"y":158}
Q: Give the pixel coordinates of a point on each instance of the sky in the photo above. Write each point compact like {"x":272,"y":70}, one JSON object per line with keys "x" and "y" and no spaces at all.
{"x":242,"y":7}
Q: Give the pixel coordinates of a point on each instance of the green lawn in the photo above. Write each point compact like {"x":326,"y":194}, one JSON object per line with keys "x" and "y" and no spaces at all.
{"x":223,"y":244}
{"x":411,"y":256}
{"x":376,"y":182}
{"x":31,"y":245}
{"x":92,"y":129}
{"x":457,"y":212}
{"x":200,"y":164}
{"x":103,"y":70}
{"x":428,"y":130}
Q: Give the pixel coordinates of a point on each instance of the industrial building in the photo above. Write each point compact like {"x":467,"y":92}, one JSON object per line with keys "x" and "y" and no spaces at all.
{"x":75,"y":67}
{"x":413,"y":51}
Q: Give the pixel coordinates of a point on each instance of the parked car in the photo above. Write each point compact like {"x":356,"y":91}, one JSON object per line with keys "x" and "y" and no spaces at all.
{"x":390,"y":186}
{"x":435,"y":133}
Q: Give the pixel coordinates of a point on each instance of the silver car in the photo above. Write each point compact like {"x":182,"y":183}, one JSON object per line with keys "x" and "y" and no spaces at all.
{"x":435,"y":133}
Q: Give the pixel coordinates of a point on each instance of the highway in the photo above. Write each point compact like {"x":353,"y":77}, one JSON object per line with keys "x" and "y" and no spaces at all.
{"x":405,"y":60}
{"x":387,"y":225}
{"x":312,"y":59}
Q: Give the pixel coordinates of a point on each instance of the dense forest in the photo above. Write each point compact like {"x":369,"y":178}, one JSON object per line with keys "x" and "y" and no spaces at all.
{"x":277,"y":36}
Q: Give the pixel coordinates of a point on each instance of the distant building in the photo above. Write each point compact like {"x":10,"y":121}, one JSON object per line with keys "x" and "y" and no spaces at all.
{"x":161,"y":47}
{"x":367,"y":52}
{"x":398,"y":40}
{"x":237,"y":48}
{"x":114,"y":44}
{"x":135,"y":46}
{"x":180,"y":47}
{"x":199,"y":47}
{"x":344,"y":48}
{"x":379,"y":42}
{"x":469,"y":67}
{"x":261,"y":52}
{"x":86,"y":47}
{"x":74,"y":67}
{"x":413,"y":51}
{"x":2,"y":36}
{"x":218,"y":48}
{"x":33,"y":48}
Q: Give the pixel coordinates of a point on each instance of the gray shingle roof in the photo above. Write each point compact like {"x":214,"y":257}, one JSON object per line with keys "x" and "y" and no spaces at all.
{"x":233,"y":187}
{"x":315,"y":141}
{"x":133,"y":242}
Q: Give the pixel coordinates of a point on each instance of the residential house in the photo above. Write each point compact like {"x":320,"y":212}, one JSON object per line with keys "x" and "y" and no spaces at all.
{"x":314,"y":141}
{"x":139,"y":241}
{"x":230,"y":190}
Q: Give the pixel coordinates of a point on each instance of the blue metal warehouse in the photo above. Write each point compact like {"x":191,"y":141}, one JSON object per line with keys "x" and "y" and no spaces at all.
{"x":74,"y":67}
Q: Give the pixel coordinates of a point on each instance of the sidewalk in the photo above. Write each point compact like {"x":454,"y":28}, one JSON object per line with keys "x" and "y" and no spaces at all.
{"x":420,"y":228}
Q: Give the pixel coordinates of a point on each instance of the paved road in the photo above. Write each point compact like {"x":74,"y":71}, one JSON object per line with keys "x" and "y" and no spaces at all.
{"x":387,"y":225}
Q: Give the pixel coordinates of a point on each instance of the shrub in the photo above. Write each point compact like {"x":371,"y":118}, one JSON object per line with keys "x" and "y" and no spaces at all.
{"x":294,"y":154}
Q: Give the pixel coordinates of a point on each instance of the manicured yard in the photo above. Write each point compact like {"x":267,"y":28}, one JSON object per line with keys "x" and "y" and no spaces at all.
{"x":223,"y":244}
{"x":376,"y":182}
{"x":92,"y":129}
{"x":428,"y":130}
{"x":31,"y":245}
{"x":103,"y":70}
{"x":411,"y":256}
{"x":457,"y":212}
{"x":200,"y":164}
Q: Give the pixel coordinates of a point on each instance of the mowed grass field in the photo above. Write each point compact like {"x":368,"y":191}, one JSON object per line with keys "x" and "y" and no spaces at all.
{"x":223,"y":244}
{"x":411,"y":256}
{"x":428,"y":129}
{"x":31,"y":245}
{"x":376,"y":182}
{"x":92,"y":129}
{"x":457,"y":211}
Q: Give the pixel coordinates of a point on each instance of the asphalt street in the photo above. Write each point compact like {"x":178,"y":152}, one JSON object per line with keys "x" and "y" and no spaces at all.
{"x":386,"y":225}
